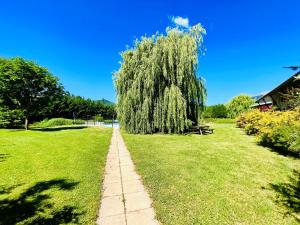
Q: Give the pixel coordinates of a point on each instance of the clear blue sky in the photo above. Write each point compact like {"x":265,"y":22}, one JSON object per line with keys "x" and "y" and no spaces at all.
{"x":247,"y":42}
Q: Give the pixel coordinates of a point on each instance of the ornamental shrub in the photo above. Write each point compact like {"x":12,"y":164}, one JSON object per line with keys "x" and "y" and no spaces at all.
{"x":250,"y":120}
{"x":278,"y":129}
{"x":283,"y":137}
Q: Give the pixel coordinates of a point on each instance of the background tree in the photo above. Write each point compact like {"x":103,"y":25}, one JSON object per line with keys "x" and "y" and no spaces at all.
{"x":68,"y":106}
{"x":215,"y":111}
{"x":27,"y":87}
{"x":10,"y":118}
{"x":157,"y":85}
{"x":239,"y":104}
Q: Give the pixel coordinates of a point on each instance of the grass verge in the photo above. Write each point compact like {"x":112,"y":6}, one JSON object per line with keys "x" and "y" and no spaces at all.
{"x":51,"y":176}
{"x":223,"y":178}
{"x":219,"y":120}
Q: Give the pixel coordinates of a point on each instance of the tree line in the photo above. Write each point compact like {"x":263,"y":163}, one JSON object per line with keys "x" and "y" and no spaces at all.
{"x":235,"y":107}
{"x":29,"y":92}
{"x":243,"y":103}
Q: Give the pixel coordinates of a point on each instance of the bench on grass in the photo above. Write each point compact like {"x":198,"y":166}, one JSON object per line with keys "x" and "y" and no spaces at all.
{"x":202,"y":129}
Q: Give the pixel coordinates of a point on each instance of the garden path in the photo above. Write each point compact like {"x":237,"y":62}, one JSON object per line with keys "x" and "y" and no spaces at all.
{"x":125,"y":200}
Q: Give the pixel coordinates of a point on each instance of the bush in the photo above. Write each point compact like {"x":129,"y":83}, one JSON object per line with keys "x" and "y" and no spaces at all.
{"x":239,"y":105}
{"x":250,"y":121}
{"x":56,"y":122}
{"x":107,"y":121}
{"x":283,"y":137}
{"x":278,"y":129}
{"x":215,"y":111}
{"x":295,"y":145}
{"x":98,"y":118}
{"x":78,"y":122}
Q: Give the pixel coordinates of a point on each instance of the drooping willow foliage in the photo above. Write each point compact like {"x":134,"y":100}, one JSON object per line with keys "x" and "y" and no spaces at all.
{"x":157,"y":85}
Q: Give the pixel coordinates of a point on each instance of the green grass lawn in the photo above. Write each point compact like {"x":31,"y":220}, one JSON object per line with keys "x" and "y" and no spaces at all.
{"x":223,"y":178}
{"x":51,"y":176}
{"x":219,"y":120}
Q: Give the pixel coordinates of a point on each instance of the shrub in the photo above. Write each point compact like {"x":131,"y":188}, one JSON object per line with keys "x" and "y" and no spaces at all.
{"x":279,"y":129}
{"x":78,"y":122}
{"x":283,"y":137}
{"x":250,"y":120}
{"x":56,"y":122}
{"x":98,"y":118}
{"x":295,"y":145}
{"x":239,"y":105}
{"x":107,"y":121}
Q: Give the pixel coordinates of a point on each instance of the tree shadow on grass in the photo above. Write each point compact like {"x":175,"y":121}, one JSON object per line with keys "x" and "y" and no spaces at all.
{"x":33,"y":206}
{"x":280,"y":150}
{"x":284,"y":152}
{"x":3,"y":157}
{"x":59,"y":128}
{"x":288,"y":195}
{"x":8,"y":190}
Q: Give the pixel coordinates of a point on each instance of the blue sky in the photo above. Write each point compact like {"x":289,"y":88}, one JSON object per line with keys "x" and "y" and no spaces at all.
{"x":247,"y":42}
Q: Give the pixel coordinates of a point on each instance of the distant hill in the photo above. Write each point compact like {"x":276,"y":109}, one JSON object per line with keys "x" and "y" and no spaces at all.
{"x":106,"y":102}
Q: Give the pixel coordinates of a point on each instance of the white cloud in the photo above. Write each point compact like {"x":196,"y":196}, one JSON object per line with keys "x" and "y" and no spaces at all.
{"x":180,"y":21}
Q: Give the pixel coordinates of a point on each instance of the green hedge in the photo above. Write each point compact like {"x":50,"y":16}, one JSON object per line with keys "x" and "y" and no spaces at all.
{"x":56,"y":122}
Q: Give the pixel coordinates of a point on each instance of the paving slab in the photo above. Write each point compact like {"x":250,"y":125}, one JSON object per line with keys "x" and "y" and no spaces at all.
{"x":112,"y":189}
{"x":142,"y":217}
{"x":132,"y":186}
{"x":126,"y":168}
{"x":125,"y":200}
{"x":130,"y":175}
{"x":112,"y":178}
{"x":112,"y":220}
{"x":137,"y":201}
{"x":111,"y":206}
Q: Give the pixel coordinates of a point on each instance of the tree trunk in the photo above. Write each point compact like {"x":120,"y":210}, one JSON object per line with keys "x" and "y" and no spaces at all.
{"x":26,"y":123}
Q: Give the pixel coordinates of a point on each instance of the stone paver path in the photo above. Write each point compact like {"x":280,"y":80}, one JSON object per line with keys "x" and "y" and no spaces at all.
{"x":124,"y":198}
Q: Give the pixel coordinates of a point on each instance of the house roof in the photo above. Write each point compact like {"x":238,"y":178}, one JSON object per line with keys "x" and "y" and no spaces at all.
{"x":280,"y":86}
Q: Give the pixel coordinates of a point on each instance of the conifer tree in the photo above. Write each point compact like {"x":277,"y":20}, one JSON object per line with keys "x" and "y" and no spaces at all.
{"x":157,"y":85}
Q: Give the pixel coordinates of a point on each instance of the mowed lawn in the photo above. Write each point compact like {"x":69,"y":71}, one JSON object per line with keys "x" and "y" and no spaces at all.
{"x":223,"y":178}
{"x":52,"y":176}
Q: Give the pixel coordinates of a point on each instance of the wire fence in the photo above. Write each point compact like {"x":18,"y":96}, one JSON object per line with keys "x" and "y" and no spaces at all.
{"x":104,"y":123}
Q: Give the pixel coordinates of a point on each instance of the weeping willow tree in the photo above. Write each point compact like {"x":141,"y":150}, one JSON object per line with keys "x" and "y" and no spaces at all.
{"x":157,"y":85}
